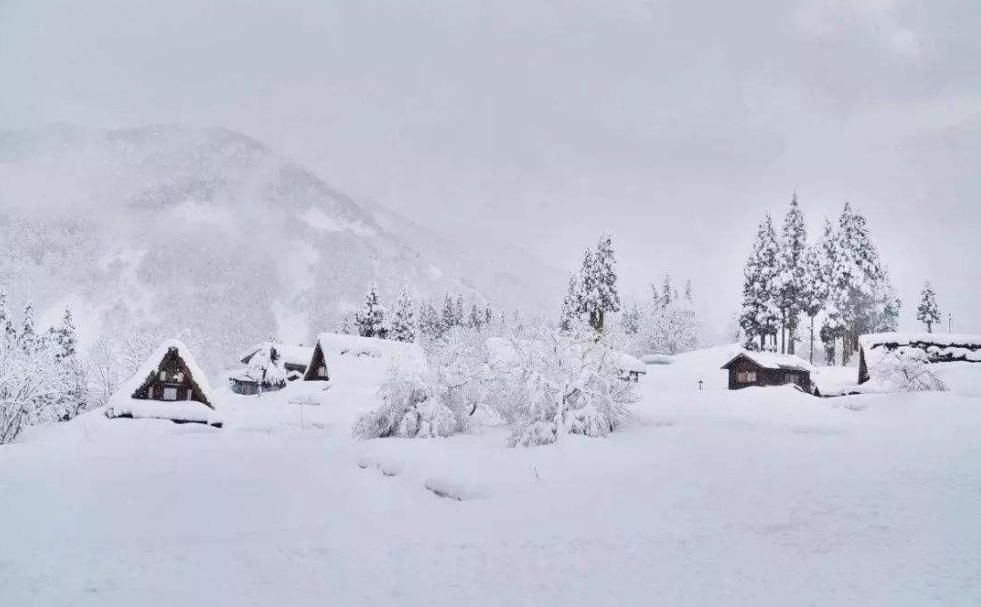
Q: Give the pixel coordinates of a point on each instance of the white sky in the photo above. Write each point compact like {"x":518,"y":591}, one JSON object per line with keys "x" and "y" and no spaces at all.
{"x":542,"y":122}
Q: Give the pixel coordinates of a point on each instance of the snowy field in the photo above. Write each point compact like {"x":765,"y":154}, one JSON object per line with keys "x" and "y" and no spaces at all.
{"x":758,"y":497}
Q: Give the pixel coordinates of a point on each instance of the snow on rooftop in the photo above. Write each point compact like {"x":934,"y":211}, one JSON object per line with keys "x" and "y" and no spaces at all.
{"x":402,"y":354}
{"x":773,"y":360}
{"x":905,"y":339}
{"x":289,"y":354}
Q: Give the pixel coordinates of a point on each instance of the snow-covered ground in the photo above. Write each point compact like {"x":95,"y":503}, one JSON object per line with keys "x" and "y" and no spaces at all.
{"x":757,"y":497}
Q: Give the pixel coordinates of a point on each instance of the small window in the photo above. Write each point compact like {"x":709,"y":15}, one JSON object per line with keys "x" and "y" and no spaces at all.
{"x":163,"y":376}
{"x":170,"y":394}
{"x":180,"y":376}
{"x":746,"y":377}
{"x":322,"y":372}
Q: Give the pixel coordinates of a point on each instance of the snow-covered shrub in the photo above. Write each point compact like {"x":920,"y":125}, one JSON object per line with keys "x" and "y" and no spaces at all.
{"x":906,"y":370}
{"x":34,"y":386}
{"x":571,"y":385}
{"x":439,"y":401}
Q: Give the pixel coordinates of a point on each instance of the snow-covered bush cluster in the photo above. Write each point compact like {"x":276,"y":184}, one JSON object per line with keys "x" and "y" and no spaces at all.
{"x":664,"y":323}
{"x":542,"y":381}
{"x":41,"y":378}
{"x":906,"y":370}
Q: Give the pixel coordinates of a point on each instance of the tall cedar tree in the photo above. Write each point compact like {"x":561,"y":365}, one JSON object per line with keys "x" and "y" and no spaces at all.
{"x":404,"y":321}
{"x":449,"y":318}
{"x":371,"y":318}
{"x":928,"y":313}
{"x":7,"y":330}
{"x":790,"y":274}
{"x":759,"y":315}
{"x":815,"y":290}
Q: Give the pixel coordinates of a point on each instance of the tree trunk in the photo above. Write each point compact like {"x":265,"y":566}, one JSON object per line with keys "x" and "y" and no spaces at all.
{"x":812,"y":340}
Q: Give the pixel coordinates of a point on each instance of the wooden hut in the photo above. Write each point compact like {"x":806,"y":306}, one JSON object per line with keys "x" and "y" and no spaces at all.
{"x":929,"y":347}
{"x":354,"y":352}
{"x":748,"y":369}
{"x":292,"y":358}
{"x":170,"y":385}
{"x":265,"y":372}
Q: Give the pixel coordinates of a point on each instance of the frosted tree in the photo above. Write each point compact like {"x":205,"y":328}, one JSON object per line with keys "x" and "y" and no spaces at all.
{"x":814,"y":293}
{"x":477,"y":317}
{"x":404,"y":322}
{"x":631,"y":319}
{"x":604,"y":298}
{"x":449,"y":316}
{"x":28,"y":337}
{"x":760,"y":315}
{"x":572,"y":305}
{"x":63,"y":342}
{"x":7,"y":330}
{"x":571,"y":384}
{"x":430,"y":323}
{"x":860,"y":289}
{"x":459,"y":315}
{"x":667,"y":291}
{"x":790,"y":276}
{"x":927,"y":312}
{"x":370,"y":320}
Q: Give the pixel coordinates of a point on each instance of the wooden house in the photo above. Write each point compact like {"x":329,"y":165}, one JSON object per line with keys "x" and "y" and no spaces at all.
{"x":266,"y":371}
{"x":292,"y":358}
{"x":170,"y":385}
{"x":928,"y":347}
{"x":748,"y":369}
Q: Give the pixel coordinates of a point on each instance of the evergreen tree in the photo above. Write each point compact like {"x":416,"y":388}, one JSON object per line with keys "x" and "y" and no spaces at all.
{"x":459,"y":316}
{"x":64,"y":343}
{"x":759,"y":315}
{"x":476,"y":320}
{"x":607,"y":297}
{"x":815,"y":289}
{"x":449,"y":317}
{"x":7,"y":330}
{"x":860,"y":289}
{"x":928,"y":313}
{"x":572,"y":305}
{"x":404,"y":321}
{"x":667,"y":291}
{"x":430,"y":323}
{"x":790,"y":274}
{"x":28,"y":338}
{"x":630,"y":321}
{"x":64,"y":337}
{"x":370,"y":320}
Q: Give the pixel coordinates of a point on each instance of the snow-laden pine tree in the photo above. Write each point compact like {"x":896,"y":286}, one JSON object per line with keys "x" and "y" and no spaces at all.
{"x":572,"y":305}
{"x":430,"y":323}
{"x":458,"y":314}
{"x":927,"y":312}
{"x":667,"y":291}
{"x":476,"y":318}
{"x":861,"y":289}
{"x":448,"y":313}
{"x":370,"y":320}
{"x":63,"y":342}
{"x":789,"y":281}
{"x":28,"y":337}
{"x":604,"y":298}
{"x":760,"y":315}
{"x":404,"y":321}
{"x":7,"y":330}
{"x":631,"y":319}
{"x":814,"y":293}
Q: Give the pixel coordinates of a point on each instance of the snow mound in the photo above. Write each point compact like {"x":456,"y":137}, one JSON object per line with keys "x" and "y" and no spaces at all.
{"x":454,"y":490}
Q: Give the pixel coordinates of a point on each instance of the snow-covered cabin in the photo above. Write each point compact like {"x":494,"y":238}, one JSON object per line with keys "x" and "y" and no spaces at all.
{"x":768,"y":369}
{"x":932,"y":347}
{"x":631,"y":368}
{"x":265,"y":372}
{"x":169,"y":385}
{"x":352,"y":347}
{"x":292,"y":358}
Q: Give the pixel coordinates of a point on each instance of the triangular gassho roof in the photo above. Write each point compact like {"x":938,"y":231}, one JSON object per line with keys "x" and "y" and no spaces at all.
{"x":772,"y":360}
{"x":288,"y":353}
{"x":147,"y":373}
{"x":406,"y":355}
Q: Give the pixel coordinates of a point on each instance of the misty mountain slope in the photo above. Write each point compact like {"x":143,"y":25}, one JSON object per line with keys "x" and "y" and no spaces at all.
{"x":205,"y":230}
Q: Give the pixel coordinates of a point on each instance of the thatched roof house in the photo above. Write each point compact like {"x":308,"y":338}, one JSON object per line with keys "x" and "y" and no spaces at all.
{"x":169,"y":385}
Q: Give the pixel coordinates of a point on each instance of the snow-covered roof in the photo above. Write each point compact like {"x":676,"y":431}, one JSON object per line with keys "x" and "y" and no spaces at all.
{"x":631,"y":364}
{"x":772,"y":360}
{"x":402,"y":354}
{"x":921,"y":339}
{"x":289,"y":354}
{"x":937,"y":347}
{"x":123,"y":403}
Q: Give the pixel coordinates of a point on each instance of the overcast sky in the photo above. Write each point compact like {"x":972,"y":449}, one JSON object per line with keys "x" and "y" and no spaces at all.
{"x":675,"y":125}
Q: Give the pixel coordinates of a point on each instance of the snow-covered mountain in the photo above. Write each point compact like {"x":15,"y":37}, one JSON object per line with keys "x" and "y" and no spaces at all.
{"x":208,"y":231}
